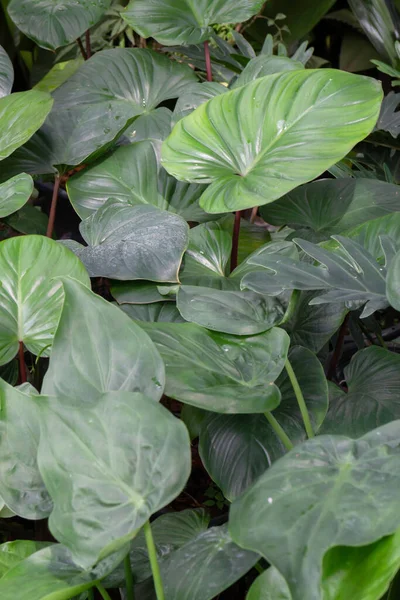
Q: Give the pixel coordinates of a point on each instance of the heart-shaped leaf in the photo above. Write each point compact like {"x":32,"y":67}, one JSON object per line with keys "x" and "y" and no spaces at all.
{"x":30,"y":298}
{"x":327,"y":492}
{"x":185,"y":21}
{"x":6,"y":73}
{"x":12,"y":553}
{"x":393,"y":282}
{"x":220,"y":372}
{"x":138,"y":457}
{"x":98,"y":349}
{"x":242,"y":146}
{"x":14,"y":193}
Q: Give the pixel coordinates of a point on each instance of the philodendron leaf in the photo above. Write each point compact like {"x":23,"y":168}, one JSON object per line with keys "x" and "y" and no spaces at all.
{"x":21,"y":485}
{"x":133,"y":242}
{"x":297,"y":123}
{"x":270,"y":585}
{"x":6,"y":73}
{"x":51,"y":574}
{"x":164,"y":312}
{"x":12,"y":553}
{"x":236,"y":449}
{"x":373,"y":381}
{"x":139,"y":292}
{"x":138,"y":457}
{"x":173,"y":22}
{"x":21,"y":114}
{"x":220,"y":372}
{"x":369,"y":235}
{"x":263,"y":65}
{"x":30,"y":298}
{"x":194,"y":95}
{"x":327,"y":492}
{"x":393,"y":282}
{"x":14,"y":193}
{"x":53,"y":25}
{"x":98,"y":349}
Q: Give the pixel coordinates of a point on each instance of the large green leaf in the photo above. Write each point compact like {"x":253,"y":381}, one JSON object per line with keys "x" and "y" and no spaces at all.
{"x":263,"y":65}
{"x":369,"y":235}
{"x":12,"y":553}
{"x":14,"y":193}
{"x":21,"y":485}
{"x":52,"y":24}
{"x":98,"y":349}
{"x":138,"y":457}
{"x":376,"y":19}
{"x":327,"y":492}
{"x":194,"y":95}
{"x":236,"y":449}
{"x":6,"y":73}
{"x":30,"y":298}
{"x":373,"y":381}
{"x":173,"y":22}
{"x":220,"y":372}
{"x":21,"y":114}
{"x":270,"y":585}
{"x":393,"y":282}
{"x":297,"y":123}
{"x":133,"y":242}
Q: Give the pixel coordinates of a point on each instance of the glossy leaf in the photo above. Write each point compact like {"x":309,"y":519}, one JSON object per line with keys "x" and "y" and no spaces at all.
{"x":370,"y":234}
{"x":219,"y":372}
{"x":393,"y":282}
{"x":138,"y":292}
{"x":325,"y":493}
{"x":195,"y":95}
{"x":242,"y":146}
{"x":266,"y":65}
{"x":185,"y":21}
{"x":30,"y":298}
{"x":156,"y":312}
{"x":58,"y":75}
{"x":53,"y":25}
{"x":12,"y":553}
{"x":389,"y":118}
{"x":138,"y":457}
{"x":14,"y":193}
{"x":98,"y":349}
{"x":270,"y":585}
{"x":376,"y":20}
{"x":6,"y":73}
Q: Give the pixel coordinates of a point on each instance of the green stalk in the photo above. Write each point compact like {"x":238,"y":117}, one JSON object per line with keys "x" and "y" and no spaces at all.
{"x":103,"y":592}
{"x":155,"y":569}
{"x":300,"y":399}
{"x":279,"y":431}
{"x":130,"y":594}
{"x":90,"y":594}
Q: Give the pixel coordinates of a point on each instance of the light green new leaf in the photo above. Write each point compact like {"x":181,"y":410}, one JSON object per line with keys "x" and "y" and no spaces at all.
{"x":393,"y":282}
{"x":220,"y":372}
{"x":30,"y":298}
{"x":6,"y":73}
{"x":270,"y":585}
{"x":53,"y":24}
{"x":114,"y":463}
{"x":133,"y":242}
{"x":14,"y":193}
{"x":12,"y":553}
{"x":21,"y":485}
{"x":327,"y":492}
{"x":258,"y":142}
{"x":189,"y":22}
{"x":21,"y":114}
{"x":236,"y":449}
{"x":98,"y":349}
{"x":263,"y":65}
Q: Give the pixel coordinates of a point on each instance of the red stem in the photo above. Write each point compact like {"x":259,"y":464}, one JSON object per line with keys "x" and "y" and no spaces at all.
{"x":88,"y":44}
{"x":235,"y":240}
{"x":22,"y":365}
{"x":208,"y":61}
{"x":53,"y":208}
{"x":338,"y":349}
{"x":81,"y":48}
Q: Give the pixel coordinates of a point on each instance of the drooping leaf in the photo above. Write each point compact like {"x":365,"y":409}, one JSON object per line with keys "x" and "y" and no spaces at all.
{"x":266,"y":65}
{"x":53,"y":25}
{"x":393,"y":282}
{"x":30,"y":298}
{"x":12,"y":553}
{"x":133,"y":242}
{"x":236,"y":449}
{"x":138,"y":457}
{"x":173,"y":22}
{"x":270,"y":585}
{"x":327,"y":492}
{"x":235,"y":142}
{"x":98,"y":349}
{"x":14,"y":193}
{"x":220,"y":372}
{"x":6,"y":73}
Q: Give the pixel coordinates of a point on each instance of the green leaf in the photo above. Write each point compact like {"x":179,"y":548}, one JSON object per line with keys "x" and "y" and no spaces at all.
{"x":220,"y":372}
{"x":53,"y":25}
{"x":133,"y":242}
{"x":370,"y":234}
{"x":12,"y":553}
{"x":6,"y":73}
{"x":270,"y":585}
{"x":21,"y":114}
{"x":14,"y":193}
{"x":389,"y":118}
{"x":90,"y":351}
{"x":325,"y":493}
{"x":373,"y":380}
{"x":318,"y":117}
{"x":9,"y":373}
{"x":30,"y":298}
{"x":195,"y":95}
{"x":393,"y":282}
{"x":21,"y":485}
{"x":236,"y":449}
{"x":138,"y":292}
{"x":185,"y":21}
{"x":193,"y":418}
{"x":376,"y":20}
{"x":29,"y":220}
{"x":138,"y":457}
{"x":157,"y":312}
{"x":58,"y":74}
{"x":266,"y":65}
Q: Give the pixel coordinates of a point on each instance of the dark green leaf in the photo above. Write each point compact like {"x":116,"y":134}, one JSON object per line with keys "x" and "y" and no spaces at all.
{"x":393,"y":282}
{"x":6,"y":73}
{"x":164,"y":312}
{"x":14,"y":193}
{"x":29,"y":220}
{"x":138,"y":292}
{"x":194,"y":95}
{"x":376,"y":19}
{"x":266,"y":65}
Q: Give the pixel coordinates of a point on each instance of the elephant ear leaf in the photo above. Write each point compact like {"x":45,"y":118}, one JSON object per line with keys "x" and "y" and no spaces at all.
{"x":297,"y":123}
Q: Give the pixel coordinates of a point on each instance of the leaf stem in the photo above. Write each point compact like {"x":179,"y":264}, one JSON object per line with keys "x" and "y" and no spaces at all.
{"x":208,"y":61}
{"x":103,"y":592}
{"x":130,"y":594}
{"x":88,"y":44}
{"x":81,"y":48}
{"x":235,"y":240}
{"x":155,"y":568}
{"x":53,"y":208}
{"x":22,"y":366}
{"x":90,"y":594}
{"x":281,"y":434}
{"x":300,"y":399}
